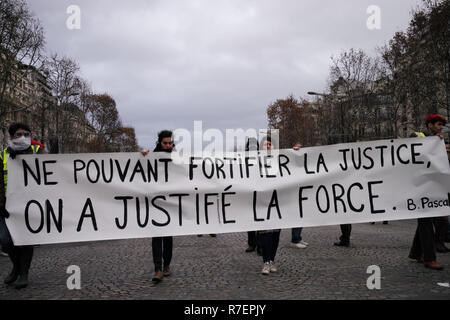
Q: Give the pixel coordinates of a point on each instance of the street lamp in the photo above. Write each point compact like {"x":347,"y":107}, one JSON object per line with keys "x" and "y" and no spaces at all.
{"x":312,"y":93}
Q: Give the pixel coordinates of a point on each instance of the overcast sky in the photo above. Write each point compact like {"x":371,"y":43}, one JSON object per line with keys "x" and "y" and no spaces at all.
{"x":169,"y":63}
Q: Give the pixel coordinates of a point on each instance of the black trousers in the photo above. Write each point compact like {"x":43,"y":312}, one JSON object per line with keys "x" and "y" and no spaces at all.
{"x":254,"y":239}
{"x":270,"y":241}
{"x":440,"y":230}
{"x":447,"y":230}
{"x":423,"y":243}
{"x":162,"y":252}
{"x":346,"y":230}
{"x":21,"y":258}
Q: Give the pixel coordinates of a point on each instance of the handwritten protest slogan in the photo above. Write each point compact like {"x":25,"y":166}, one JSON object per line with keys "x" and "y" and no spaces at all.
{"x":90,"y":197}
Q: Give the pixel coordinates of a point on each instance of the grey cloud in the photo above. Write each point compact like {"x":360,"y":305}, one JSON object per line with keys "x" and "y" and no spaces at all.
{"x":168,"y":63}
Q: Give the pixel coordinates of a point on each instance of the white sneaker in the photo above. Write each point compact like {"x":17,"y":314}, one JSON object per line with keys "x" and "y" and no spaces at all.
{"x":273,"y":268}
{"x":304,"y":242}
{"x":299,"y":245}
{"x":266,"y":268}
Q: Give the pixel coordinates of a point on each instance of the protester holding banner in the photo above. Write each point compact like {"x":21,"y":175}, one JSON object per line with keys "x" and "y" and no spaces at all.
{"x":436,"y":123}
{"x":269,"y":238}
{"x":296,"y":233}
{"x":447,"y":223}
{"x":424,"y":248}
{"x":21,"y":256}
{"x":162,"y":246}
{"x":254,"y":238}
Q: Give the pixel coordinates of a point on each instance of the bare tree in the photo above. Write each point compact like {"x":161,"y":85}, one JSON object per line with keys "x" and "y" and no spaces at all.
{"x":104,"y":117}
{"x":126,"y":140}
{"x":417,"y":68}
{"x":355,"y":84}
{"x":295,"y":120}
{"x":66,"y":86}
{"x":21,"y":43}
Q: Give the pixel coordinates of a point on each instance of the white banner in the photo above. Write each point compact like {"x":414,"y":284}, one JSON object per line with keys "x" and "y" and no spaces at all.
{"x":89,"y":197}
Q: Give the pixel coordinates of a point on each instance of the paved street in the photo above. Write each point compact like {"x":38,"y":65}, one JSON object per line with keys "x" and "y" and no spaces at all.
{"x":218,"y":268}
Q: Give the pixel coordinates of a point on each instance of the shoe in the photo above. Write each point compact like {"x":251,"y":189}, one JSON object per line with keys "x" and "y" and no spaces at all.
{"x":213,"y":235}
{"x":259,"y":251}
{"x":13,"y":275}
{"x":372,"y":223}
{"x":273,"y":268}
{"x":22,"y":282}
{"x":250,"y":249}
{"x":342,"y":244}
{"x":158,"y":276}
{"x":266,"y":268}
{"x":433,"y":265}
{"x":413,"y":257}
{"x":299,"y":245}
{"x":385,"y":222}
{"x":199,"y":235}
{"x":304,"y":242}
{"x":441,"y":248}
{"x":166,"y":272}
{"x":3,"y":254}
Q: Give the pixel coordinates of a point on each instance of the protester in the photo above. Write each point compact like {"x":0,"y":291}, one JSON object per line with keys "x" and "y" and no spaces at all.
{"x":21,"y":256}
{"x":162,"y":246}
{"x":269,"y":238}
{"x":424,"y":247}
{"x":35,"y":143}
{"x":437,"y":123}
{"x":253,"y":237}
{"x":447,"y":223}
{"x":296,"y":233}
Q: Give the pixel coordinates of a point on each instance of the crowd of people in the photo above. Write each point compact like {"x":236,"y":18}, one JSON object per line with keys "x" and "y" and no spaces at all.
{"x":431,"y":234}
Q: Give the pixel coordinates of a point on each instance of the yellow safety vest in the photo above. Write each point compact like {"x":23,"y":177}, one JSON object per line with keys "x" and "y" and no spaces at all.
{"x":4,"y":156}
{"x":420,"y":134}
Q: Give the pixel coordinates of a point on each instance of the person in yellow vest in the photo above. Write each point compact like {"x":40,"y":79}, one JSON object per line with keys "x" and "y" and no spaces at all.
{"x":424,"y":247}
{"x":21,"y":256}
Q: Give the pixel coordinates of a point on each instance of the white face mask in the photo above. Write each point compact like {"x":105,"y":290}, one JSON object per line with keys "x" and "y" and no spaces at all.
{"x":20,"y":144}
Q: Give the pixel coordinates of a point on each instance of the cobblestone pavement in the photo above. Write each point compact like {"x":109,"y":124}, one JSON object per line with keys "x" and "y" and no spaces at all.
{"x":219,"y":269}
